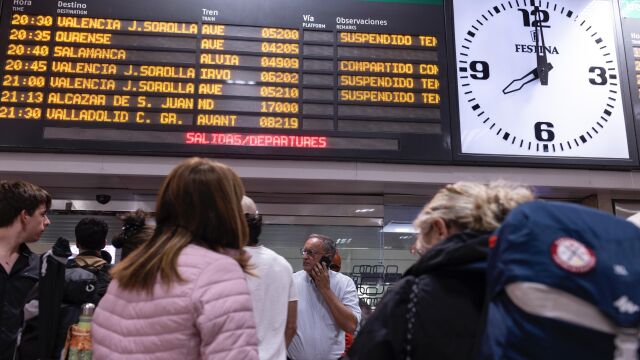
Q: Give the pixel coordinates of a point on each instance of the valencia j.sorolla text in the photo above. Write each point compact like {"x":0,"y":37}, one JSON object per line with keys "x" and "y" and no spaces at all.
{"x":208,"y":76}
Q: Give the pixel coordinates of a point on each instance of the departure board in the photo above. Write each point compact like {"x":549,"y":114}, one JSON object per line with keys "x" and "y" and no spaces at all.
{"x":336,"y":79}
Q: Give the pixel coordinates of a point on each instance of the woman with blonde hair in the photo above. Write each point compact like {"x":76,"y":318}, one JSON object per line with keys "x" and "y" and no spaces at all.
{"x":435,"y":310}
{"x":182,"y":293}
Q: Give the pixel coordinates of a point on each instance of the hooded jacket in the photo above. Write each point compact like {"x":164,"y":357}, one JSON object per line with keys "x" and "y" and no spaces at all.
{"x":435,"y":310}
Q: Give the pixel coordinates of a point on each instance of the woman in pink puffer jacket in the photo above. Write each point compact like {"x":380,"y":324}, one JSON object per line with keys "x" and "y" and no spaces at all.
{"x":182,"y":294}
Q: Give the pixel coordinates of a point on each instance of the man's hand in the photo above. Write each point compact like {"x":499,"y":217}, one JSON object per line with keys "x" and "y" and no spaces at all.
{"x":320,"y":276}
{"x":343,"y":316}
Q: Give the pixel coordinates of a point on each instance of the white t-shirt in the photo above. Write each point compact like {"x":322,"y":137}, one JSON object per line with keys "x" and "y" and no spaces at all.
{"x":318,"y":336}
{"x":271,"y":292}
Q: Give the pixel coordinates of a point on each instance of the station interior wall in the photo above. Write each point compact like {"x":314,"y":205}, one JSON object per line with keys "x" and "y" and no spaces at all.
{"x":366,"y":207}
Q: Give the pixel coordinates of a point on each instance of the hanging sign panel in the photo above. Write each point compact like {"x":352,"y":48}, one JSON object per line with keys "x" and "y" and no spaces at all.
{"x":408,"y":81}
{"x":290,"y":79}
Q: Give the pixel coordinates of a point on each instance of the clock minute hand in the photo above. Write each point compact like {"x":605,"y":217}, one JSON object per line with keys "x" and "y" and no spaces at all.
{"x":518,"y":84}
{"x":541,"y":51}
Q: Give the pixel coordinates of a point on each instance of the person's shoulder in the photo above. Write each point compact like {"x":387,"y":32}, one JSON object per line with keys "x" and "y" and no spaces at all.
{"x":201,"y":255}
{"x":208,"y":271}
{"x":429,"y":288}
{"x":195,"y":259}
{"x":299,"y":275}
{"x":277,"y":259}
{"x":261,"y":251}
{"x":268,"y":263}
{"x":342,"y":278}
{"x":419,"y":281}
{"x":398,"y":295}
{"x":267,"y":252}
{"x":75,"y":272}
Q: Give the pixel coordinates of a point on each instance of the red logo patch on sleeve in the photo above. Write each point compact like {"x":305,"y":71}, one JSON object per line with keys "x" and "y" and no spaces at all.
{"x":572,"y":255}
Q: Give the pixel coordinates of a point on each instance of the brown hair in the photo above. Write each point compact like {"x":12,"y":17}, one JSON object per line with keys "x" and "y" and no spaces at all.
{"x":199,"y":203}
{"x":20,"y":195}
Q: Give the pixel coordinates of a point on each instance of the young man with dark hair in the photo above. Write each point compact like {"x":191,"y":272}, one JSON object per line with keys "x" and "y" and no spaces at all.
{"x":87,"y":275}
{"x":91,"y":237}
{"x":23,"y":219}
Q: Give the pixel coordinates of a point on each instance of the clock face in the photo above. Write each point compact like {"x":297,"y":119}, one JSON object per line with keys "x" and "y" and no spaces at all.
{"x":539,"y":78}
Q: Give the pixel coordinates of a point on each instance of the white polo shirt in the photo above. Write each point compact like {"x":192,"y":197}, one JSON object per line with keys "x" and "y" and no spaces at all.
{"x":318,"y":336}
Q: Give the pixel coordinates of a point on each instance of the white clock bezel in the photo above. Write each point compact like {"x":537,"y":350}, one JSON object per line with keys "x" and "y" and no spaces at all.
{"x":626,"y":152}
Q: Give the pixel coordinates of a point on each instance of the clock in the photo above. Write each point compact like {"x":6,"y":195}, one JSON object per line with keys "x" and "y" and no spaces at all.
{"x":539,"y":78}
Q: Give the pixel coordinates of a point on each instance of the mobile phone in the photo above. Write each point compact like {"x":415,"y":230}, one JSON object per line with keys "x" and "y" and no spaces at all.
{"x":326,"y":261}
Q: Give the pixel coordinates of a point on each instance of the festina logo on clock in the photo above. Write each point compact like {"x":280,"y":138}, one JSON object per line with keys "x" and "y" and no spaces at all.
{"x":539,"y":78}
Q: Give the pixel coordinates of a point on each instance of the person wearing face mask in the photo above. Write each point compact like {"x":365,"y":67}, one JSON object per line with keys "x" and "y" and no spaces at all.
{"x":435,"y":310}
{"x":272,"y":291}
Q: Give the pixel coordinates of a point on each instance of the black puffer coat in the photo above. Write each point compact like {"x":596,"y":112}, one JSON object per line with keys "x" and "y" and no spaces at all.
{"x":435,"y":310}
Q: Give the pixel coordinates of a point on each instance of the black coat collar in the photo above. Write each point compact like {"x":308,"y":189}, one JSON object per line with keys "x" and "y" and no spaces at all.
{"x":466,"y":250}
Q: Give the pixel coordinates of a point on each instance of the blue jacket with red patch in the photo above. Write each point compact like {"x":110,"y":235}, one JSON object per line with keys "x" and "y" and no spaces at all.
{"x":563,"y":279}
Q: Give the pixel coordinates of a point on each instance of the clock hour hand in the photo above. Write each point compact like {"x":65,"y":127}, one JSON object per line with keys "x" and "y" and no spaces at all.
{"x":518,"y":84}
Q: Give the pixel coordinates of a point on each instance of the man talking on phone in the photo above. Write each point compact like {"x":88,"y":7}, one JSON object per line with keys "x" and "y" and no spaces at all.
{"x":327,"y":304}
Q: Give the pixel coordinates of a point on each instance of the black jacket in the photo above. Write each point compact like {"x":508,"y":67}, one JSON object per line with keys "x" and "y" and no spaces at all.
{"x":435,"y":310}
{"x":84,"y":279}
{"x":14,"y":289}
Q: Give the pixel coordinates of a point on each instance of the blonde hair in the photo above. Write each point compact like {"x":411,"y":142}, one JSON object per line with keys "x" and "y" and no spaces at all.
{"x":472,"y":206}
{"x":199,"y":203}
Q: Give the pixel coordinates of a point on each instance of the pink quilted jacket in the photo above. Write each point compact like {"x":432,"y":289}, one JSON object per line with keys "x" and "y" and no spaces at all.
{"x":208,"y":316}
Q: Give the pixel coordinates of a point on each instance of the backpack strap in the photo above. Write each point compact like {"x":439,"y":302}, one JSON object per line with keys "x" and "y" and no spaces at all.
{"x":85,"y":261}
{"x":411,"y":315}
{"x":542,"y":300}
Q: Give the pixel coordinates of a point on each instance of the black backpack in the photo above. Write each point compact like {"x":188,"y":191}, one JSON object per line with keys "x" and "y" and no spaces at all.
{"x":78,"y":292}
{"x":80,"y":288}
